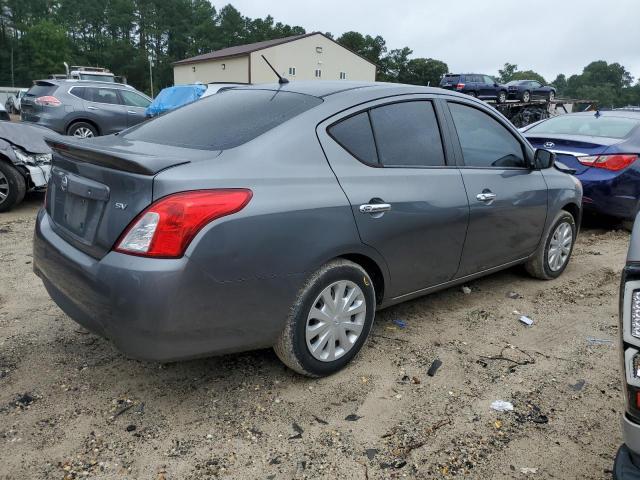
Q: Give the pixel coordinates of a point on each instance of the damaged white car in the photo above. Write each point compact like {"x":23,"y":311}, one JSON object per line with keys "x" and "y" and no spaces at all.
{"x":25,"y":162}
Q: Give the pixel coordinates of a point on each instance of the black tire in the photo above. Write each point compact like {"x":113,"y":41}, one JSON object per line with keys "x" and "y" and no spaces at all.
{"x":77,"y":127}
{"x":538,"y":265}
{"x":471,"y":94}
{"x":291,"y":346}
{"x":502,"y":97}
{"x":526,"y":96}
{"x":12,"y":184}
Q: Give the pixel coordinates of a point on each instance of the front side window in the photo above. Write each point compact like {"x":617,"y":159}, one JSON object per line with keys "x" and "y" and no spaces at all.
{"x":407,"y":134}
{"x":489,"y":80}
{"x":133,"y":99}
{"x":485,"y":142}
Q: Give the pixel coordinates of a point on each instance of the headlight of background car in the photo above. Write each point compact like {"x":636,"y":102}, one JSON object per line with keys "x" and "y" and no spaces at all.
{"x":32,"y":159}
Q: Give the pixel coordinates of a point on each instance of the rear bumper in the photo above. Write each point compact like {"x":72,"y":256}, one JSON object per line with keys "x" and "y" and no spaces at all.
{"x":44,"y":119}
{"x":611,"y":193}
{"x":160,"y":309}
{"x":627,"y":462}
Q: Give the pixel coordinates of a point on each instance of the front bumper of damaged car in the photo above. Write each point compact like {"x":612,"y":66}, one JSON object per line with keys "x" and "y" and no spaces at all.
{"x":36,"y":166}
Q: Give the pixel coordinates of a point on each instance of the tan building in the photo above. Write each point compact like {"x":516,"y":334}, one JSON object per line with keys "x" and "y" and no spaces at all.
{"x":302,"y":57}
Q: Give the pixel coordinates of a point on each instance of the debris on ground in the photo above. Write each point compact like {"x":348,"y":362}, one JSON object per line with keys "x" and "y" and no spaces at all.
{"x":599,"y":341}
{"x":466,"y":290}
{"x":437,"y":363}
{"x":528,"y":470}
{"x":526,"y":320}
{"x":352,"y":417}
{"x":533,"y":415}
{"x":514,"y":295}
{"x":400,"y":323}
{"x":579,"y":385}
{"x":371,"y":453}
{"x":502,"y":406}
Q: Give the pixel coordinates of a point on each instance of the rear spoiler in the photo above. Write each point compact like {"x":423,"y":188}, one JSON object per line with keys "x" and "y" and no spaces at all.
{"x":115,"y":159}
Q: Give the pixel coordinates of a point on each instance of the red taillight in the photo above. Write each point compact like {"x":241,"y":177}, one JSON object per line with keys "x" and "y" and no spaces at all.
{"x":166,"y":228}
{"x":48,"y":101}
{"x":608,"y":162}
{"x":459,"y":86}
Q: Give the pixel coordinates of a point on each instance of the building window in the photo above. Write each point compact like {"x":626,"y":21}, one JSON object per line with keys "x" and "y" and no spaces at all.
{"x":193,"y":69}
{"x":319,"y":49}
{"x":318,"y":73}
{"x":224,"y":66}
{"x":292,"y":71}
{"x":343,"y":75}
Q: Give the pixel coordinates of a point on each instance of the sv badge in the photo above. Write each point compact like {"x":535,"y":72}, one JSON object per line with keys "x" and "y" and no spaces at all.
{"x":121,"y":206}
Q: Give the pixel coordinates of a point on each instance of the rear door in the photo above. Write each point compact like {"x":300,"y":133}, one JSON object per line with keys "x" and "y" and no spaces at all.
{"x":135,"y":104}
{"x":408,"y":200}
{"x":507,"y":200}
{"x":103,"y":106}
{"x":537,"y":90}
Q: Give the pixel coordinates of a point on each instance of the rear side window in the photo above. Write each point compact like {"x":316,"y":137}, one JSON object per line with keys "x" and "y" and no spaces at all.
{"x":407,"y":134}
{"x":484,"y":141}
{"x":354,"y":134}
{"x":225,"y":120}
{"x":80,"y":92}
{"x":41,"y":89}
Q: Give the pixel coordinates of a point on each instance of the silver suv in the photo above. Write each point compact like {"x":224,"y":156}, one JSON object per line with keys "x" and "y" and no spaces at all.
{"x":83,"y":108}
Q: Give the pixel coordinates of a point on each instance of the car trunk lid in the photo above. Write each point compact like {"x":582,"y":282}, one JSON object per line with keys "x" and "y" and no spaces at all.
{"x":569,"y":148}
{"x":99,"y":186}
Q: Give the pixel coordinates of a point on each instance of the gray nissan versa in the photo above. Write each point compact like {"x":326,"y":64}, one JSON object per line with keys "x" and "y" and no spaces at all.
{"x":285,"y":215}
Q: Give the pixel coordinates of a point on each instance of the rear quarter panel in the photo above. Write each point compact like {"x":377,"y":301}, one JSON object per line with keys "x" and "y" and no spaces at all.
{"x":564,"y":189}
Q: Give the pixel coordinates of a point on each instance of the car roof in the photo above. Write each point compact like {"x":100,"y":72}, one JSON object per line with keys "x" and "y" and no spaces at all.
{"x":324,"y":88}
{"x":73,"y":81}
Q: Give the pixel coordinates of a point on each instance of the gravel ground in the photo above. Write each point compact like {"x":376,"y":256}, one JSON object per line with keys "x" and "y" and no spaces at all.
{"x":71,"y":406}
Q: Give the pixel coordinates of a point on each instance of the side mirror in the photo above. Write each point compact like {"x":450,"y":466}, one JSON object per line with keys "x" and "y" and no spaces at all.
{"x":544,"y":159}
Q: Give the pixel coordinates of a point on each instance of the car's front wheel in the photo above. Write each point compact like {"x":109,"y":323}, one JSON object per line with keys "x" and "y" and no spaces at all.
{"x":526,"y":96}
{"x":82,"y":130}
{"x":12,"y":186}
{"x":552,"y":96}
{"x":554,"y":252}
{"x":502,"y":97}
{"x":329,"y":321}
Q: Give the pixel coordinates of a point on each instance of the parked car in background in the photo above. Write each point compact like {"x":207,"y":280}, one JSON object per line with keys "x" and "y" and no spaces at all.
{"x":603,"y":148}
{"x":268,"y":216}
{"x":83,"y":108}
{"x":171,"y":98}
{"x":527,"y":90}
{"x":13,"y":102}
{"x":476,"y":85}
{"x":4,"y":115}
{"x":25,"y":161}
{"x":627,"y":462}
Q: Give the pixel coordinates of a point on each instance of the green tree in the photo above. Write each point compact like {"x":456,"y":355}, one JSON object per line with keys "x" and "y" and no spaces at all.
{"x":44,"y":48}
{"x":560,"y":83}
{"x":423,"y":71}
{"x":371,"y":48}
{"x":528,"y":75}
{"x":506,"y":73}
{"x":393,"y":65}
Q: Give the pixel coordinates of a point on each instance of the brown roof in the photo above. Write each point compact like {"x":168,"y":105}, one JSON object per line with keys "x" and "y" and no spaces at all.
{"x":252,"y":47}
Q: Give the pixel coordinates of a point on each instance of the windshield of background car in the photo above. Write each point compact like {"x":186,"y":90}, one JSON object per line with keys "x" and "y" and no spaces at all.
{"x":225,"y":120}
{"x":97,"y":78}
{"x":602,"y":126}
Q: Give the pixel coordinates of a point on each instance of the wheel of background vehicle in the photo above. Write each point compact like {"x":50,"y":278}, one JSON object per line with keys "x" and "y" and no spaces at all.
{"x":12,"y":186}
{"x":553,"y":254}
{"x":552,"y":95}
{"x":526,"y":96}
{"x":82,"y":130}
{"x":329,"y":321}
{"x":502,"y":96}
{"x":471,"y":94}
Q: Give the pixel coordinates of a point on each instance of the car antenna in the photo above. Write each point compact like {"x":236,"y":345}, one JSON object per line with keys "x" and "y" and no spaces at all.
{"x":597,"y":114}
{"x":281,"y":79}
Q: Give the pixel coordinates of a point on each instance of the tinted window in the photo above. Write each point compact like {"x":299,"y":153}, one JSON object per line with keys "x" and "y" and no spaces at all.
{"x":449,"y":79}
{"x":134,"y":99}
{"x":224,"y":120}
{"x":484,"y":141}
{"x":489,"y":80}
{"x":407,"y":134}
{"x":589,"y":125}
{"x":354,"y":135}
{"x":41,"y":89}
{"x":80,"y":92}
{"x":100,"y":95}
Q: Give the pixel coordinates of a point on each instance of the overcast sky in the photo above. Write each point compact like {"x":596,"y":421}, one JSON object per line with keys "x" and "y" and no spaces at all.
{"x":548,"y":36}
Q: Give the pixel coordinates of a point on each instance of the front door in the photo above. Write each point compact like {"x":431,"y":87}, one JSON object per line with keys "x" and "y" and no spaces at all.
{"x":136,"y":106}
{"x":408,"y":201}
{"x":507,"y":199}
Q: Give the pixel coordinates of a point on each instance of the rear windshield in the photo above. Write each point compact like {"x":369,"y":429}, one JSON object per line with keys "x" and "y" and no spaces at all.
{"x":97,"y":78}
{"x":225,"y":120}
{"x":603,"y":126}
{"x":449,"y":79}
{"x":41,"y":89}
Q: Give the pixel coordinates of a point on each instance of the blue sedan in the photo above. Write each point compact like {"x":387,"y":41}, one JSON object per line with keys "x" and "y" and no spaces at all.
{"x":603,"y":148}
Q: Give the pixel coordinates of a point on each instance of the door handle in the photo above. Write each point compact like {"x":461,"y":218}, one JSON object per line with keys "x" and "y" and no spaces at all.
{"x":92,"y":108}
{"x":486,"y":196}
{"x":131,"y":112}
{"x":375,"y":208}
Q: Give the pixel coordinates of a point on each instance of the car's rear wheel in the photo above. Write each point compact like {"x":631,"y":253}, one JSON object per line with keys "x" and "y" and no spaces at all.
{"x":12,"y":186}
{"x":526,"y":96}
{"x":82,"y":130}
{"x":552,"y":96}
{"x":329,"y":321}
{"x":502,"y":97}
{"x":554,"y":252}
{"x":471,"y":94}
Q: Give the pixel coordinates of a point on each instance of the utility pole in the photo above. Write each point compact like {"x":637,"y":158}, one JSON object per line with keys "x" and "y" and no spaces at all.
{"x":151,"y":73}
{"x":13,"y":83}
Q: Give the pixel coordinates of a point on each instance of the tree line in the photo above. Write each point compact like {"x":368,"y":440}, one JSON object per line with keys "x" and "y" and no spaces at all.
{"x":37,"y":36}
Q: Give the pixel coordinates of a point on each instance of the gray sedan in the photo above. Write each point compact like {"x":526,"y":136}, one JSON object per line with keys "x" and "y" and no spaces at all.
{"x":284,"y":216}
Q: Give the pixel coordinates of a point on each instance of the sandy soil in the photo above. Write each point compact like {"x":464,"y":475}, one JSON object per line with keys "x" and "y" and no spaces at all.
{"x":71,"y":406}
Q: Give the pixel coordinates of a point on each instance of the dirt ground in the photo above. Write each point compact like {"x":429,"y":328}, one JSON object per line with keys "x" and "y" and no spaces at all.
{"x":71,"y":406}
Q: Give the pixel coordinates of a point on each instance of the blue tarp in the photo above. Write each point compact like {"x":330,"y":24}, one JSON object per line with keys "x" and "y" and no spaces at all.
{"x":173,"y":97}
